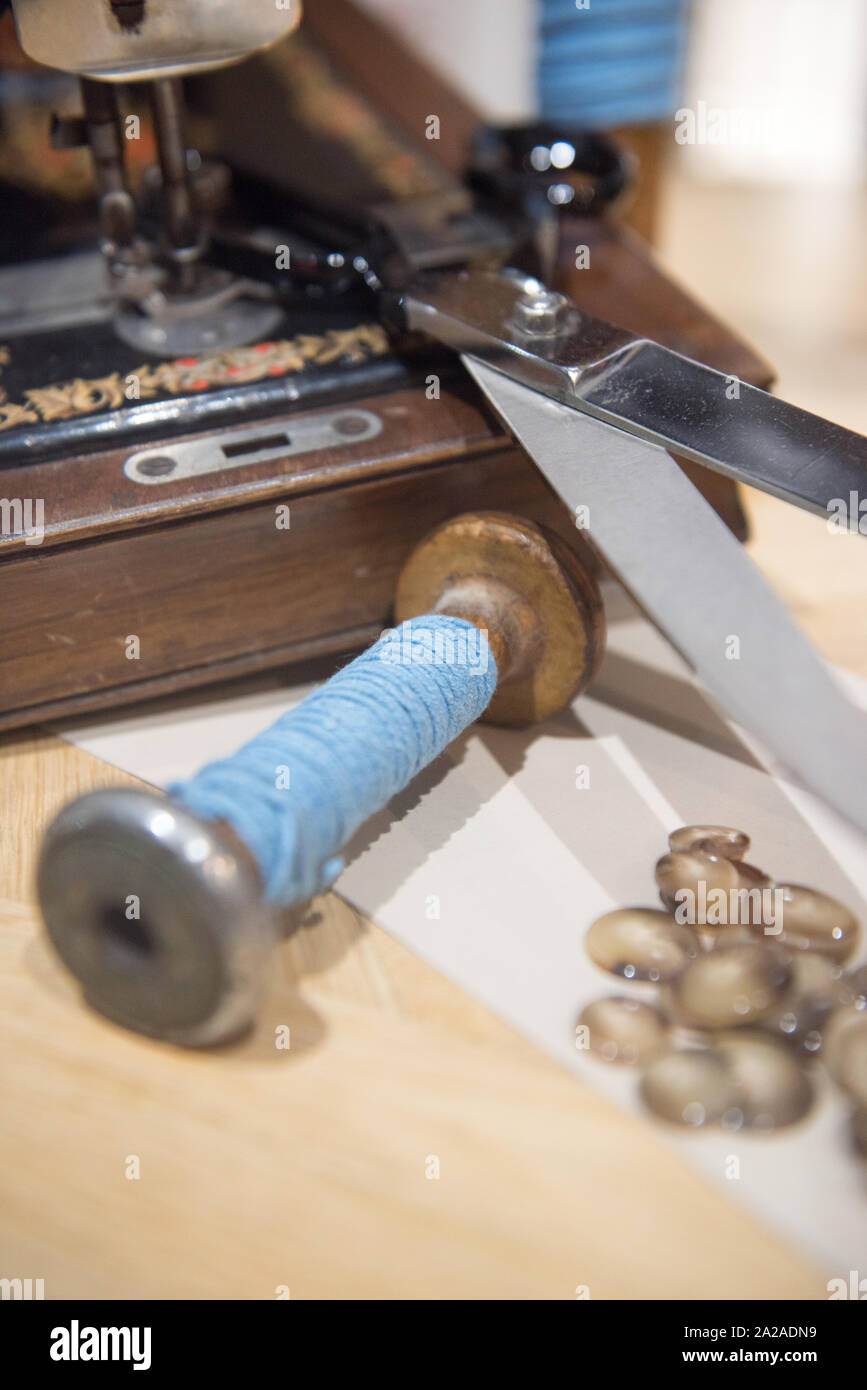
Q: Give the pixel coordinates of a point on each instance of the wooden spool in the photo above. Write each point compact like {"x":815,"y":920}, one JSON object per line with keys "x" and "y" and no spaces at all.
{"x":540,"y":606}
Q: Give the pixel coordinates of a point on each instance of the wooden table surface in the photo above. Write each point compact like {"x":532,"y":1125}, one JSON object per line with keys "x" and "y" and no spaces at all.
{"x":263,"y":1170}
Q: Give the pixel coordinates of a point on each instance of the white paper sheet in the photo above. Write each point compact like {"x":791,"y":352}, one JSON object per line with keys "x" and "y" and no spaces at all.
{"x":492,"y":865}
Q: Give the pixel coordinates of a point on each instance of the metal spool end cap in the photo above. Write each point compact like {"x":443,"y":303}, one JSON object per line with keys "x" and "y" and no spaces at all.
{"x":158,"y":914}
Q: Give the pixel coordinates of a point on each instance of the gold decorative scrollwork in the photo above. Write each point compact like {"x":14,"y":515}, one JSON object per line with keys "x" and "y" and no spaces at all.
{"x":187,"y":375}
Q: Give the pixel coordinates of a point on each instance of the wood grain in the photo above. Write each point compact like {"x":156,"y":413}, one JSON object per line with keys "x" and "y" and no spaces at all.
{"x":261,"y":1167}
{"x":307,"y":1168}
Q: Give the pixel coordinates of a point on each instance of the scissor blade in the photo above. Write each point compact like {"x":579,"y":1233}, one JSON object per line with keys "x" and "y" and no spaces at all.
{"x":643,"y":388}
{"x":690,"y":575}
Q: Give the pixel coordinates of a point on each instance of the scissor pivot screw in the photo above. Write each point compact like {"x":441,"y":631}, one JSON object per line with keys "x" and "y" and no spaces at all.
{"x":539,"y":313}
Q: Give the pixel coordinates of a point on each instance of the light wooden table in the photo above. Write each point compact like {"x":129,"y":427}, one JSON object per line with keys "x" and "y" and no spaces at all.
{"x":307,"y":1169}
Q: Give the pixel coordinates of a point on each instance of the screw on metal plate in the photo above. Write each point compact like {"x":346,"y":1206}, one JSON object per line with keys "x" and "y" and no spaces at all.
{"x":540,"y":312}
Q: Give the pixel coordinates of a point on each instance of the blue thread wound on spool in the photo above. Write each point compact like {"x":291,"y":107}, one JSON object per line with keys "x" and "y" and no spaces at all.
{"x":605,"y":63}
{"x":348,"y":747}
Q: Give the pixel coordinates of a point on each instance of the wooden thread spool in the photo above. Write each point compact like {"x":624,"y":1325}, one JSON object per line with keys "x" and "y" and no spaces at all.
{"x":192,"y":967}
{"x":540,"y":606}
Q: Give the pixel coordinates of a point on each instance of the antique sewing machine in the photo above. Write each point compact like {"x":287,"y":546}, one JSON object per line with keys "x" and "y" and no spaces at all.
{"x":232,"y":296}
{"x":278,"y":379}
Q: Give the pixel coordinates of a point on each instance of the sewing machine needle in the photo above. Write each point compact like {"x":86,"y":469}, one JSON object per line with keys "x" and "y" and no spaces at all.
{"x":690,"y":575}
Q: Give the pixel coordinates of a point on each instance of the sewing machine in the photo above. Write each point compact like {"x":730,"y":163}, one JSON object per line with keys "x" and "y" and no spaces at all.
{"x":216,"y":457}
{"x":265,"y":416}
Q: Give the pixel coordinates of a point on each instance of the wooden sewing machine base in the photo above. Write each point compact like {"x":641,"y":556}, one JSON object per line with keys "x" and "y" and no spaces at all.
{"x":142,"y":585}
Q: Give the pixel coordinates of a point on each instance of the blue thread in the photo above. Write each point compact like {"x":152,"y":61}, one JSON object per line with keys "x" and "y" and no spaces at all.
{"x":613,"y":62}
{"x":349,"y":747}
